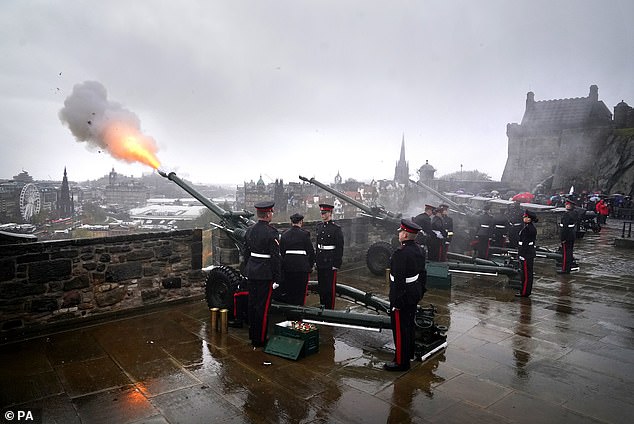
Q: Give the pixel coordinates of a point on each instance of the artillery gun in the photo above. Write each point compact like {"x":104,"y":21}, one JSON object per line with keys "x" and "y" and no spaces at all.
{"x":378,"y":254}
{"x":225,"y":285}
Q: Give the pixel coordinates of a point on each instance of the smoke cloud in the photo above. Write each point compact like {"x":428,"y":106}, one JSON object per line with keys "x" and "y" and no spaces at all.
{"x":103,"y":124}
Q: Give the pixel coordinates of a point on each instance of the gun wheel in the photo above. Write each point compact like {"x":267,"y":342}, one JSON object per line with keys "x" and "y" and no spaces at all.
{"x":222,"y":282}
{"x":378,"y":257}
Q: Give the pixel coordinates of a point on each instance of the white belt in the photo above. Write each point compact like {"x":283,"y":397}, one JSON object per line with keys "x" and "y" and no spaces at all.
{"x":569,"y":225}
{"x":484,"y":226}
{"x":260,"y":255}
{"x":500,"y":226}
{"x":407,"y":279}
{"x":295,"y":252}
{"x":517,"y":225}
{"x":521,"y":243}
{"x":326,"y":247}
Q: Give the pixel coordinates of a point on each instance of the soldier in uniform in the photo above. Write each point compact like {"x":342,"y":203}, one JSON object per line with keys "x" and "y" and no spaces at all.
{"x":407,"y":286}
{"x":567,"y":235}
{"x":447,"y":222}
{"x":526,"y":253}
{"x":328,"y":255}
{"x":298,"y":259}
{"x":262,"y":269}
{"x":483,"y":233}
{"x":515,"y":218}
{"x":436,"y":243}
{"x":423,"y":220}
{"x":500,"y":230}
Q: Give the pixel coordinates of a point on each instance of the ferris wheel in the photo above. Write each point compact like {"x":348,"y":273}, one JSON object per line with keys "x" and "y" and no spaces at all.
{"x":30,"y":201}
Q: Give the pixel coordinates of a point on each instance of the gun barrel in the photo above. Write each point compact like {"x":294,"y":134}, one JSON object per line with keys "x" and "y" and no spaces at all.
{"x":441,"y":196}
{"x":367,"y":209}
{"x":202,"y":199}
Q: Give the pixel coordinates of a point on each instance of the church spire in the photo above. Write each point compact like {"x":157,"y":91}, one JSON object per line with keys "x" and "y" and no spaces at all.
{"x":401,"y":171}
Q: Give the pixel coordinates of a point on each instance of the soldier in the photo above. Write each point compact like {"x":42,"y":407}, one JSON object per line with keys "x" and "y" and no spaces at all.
{"x":483,"y":233}
{"x":436,"y":243}
{"x":329,"y":255}
{"x":407,"y":286}
{"x":447,"y":222}
{"x":500,"y":229}
{"x":423,"y":220}
{"x":567,"y":235}
{"x":526,"y":253}
{"x":515,"y":218}
{"x":298,"y":259}
{"x":262,"y":269}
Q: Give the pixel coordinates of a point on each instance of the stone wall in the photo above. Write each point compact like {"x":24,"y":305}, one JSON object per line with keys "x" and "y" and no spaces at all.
{"x":359,"y":234}
{"x":57,"y":282}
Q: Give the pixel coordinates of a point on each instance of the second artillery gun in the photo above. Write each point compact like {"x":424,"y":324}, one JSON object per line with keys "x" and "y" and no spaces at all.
{"x":225,"y":285}
{"x":378,"y":254}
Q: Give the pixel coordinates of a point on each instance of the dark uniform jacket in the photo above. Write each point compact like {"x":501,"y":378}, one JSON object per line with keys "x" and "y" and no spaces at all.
{"x":262,"y":252}
{"x":424,"y":221}
{"x":526,"y":243}
{"x":329,"y":234}
{"x":447,"y":223}
{"x":407,"y":262}
{"x":438,"y":227}
{"x":568,"y":225}
{"x":426,"y":234}
{"x":485,"y":225}
{"x":298,"y":240}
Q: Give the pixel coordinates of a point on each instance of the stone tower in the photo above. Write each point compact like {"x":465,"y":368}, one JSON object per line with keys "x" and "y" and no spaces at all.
{"x":557,"y":142}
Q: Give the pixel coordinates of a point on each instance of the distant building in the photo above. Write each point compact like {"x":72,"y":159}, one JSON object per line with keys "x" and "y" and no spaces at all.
{"x":125,"y":193}
{"x":426,"y":172}
{"x":558,"y":141}
{"x":20,"y":199}
{"x":401,"y":170}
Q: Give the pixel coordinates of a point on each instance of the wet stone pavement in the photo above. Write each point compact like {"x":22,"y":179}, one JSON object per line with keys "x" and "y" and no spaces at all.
{"x":563,"y":356}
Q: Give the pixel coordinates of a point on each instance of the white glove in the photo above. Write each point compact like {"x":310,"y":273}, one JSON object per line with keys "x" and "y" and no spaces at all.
{"x":334,"y":268}
{"x":522,"y":258}
{"x":275,"y":285}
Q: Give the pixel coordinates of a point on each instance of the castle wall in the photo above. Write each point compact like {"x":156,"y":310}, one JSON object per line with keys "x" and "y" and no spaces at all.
{"x":579,"y":150}
{"x":568,"y":155}
{"x":52,"y":283}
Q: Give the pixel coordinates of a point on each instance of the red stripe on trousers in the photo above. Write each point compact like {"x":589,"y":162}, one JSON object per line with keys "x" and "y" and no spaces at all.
{"x":306,"y":291}
{"x":235,"y":301}
{"x":334,"y":284}
{"x":266,"y":313}
{"x":525,"y":279}
{"x":564,"y":261}
{"x":398,"y":341}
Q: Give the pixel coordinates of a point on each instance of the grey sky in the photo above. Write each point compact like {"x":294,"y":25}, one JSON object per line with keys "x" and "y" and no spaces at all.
{"x":230,"y":90}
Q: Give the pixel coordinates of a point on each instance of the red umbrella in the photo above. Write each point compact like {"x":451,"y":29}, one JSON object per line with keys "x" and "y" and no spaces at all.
{"x":525,"y":197}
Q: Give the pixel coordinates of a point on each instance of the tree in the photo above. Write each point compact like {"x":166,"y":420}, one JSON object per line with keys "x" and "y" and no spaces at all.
{"x":467,"y":176}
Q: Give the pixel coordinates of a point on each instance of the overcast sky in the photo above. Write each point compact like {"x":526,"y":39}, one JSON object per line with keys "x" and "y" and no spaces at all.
{"x":231,"y":90}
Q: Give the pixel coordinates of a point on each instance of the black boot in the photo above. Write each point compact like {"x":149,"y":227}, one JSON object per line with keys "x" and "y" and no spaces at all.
{"x":393,"y":366}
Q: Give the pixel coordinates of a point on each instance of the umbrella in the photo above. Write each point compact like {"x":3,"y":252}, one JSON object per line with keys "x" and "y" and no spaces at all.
{"x":525,"y":197}
{"x":594,"y":199}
